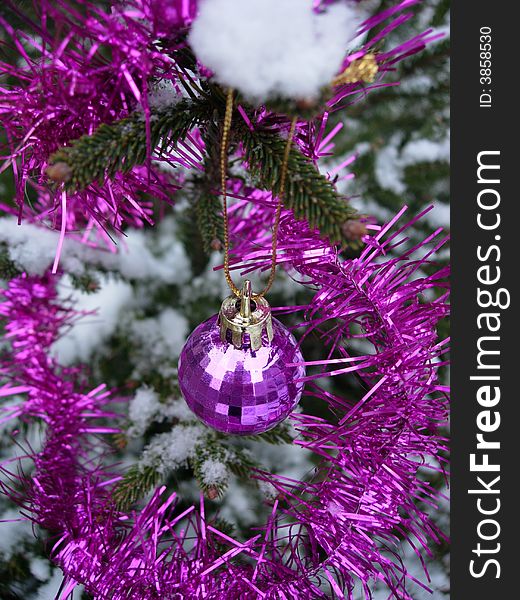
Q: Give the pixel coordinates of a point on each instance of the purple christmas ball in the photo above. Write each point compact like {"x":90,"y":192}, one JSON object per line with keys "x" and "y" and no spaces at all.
{"x":240,"y":391}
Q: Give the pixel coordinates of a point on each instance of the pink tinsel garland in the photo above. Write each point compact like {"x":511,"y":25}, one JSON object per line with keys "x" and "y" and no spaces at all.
{"x":366,"y":490}
{"x":323,"y":535}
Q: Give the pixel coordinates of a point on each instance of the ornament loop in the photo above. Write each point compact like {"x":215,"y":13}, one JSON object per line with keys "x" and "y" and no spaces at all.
{"x":246,"y":320}
{"x":245,"y":300}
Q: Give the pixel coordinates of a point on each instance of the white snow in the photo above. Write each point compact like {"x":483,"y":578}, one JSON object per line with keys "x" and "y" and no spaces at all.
{"x":269,"y":48}
{"x":214,"y":472}
{"x":392,"y":160}
{"x":439,"y":216}
{"x":291,"y":460}
{"x":142,"y":409}
{"x":156,"y":259}
{"x":137,"y":261}
{"x":267,"y":489}
{"x":176,"y":408}
{"x":15,"y":529}
{"x":146,"y":407}
{"x":389,"y":169}
{"x":168,"y":451}
{"x":158,"y":340}
{"x":40,"y":568}
{"x":91,"y":331}
{"x":33,"y":248}
{"x":240,"y":507}
{"x":51,"y":588}
{"x":419,"y":83}
{"x":163,"y":94}
{"x":425,"y":150}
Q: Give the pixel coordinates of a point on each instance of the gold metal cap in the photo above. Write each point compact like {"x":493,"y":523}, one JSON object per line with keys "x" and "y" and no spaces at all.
{"x":244,"y":316}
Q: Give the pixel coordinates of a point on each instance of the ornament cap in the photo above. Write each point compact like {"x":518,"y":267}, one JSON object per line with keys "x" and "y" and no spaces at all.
{"x":246,"y":319}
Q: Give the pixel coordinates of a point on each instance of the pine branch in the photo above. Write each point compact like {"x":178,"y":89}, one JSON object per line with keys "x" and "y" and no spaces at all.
{"x":137,"y":482}
{"x":210,"y":222}
{"x":119,"y":146}
{"x":207,"y":228}
{"x":87,"y":282}
{"x":190,"y":236}
{"x":309,"y":194}
{"x":211,"y":451}
{"x":237,"y":461}
{"x":441,"y":11}
{"x":8,"y":269}
{"x":208,"y":208}
{"x":241,"y":463}
{"x":281,"y":434}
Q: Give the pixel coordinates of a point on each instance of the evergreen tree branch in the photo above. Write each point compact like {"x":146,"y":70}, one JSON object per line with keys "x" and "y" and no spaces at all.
{"x":136,"y":482}
{"x":208,"y":207}
{"x":210,"y":452}
{"x":191,"y":237}
{"x":281,"y":434}
{"x":237,"y":461}
{"x":140,"y":480}
{"x":8,"y":269}
{"x":241,"y":462}
{"x":119,"y":146}
{"x":309,"y":194}
{"x":208,"y":213}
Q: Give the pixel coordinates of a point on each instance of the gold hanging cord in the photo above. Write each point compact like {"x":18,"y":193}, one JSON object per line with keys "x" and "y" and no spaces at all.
{"x":223,"y":175}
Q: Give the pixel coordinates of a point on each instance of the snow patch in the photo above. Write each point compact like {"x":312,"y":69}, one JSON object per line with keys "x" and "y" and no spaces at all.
{"x":33,"y":248}
{"x":50,"y":589}
{"x":214,"y":472}
{"x":142,"y":409}
{"x":240,"y":508}
{"x":391,"y":161}
{"x":163,"y":94}
{"x":159,"y":340}
{"x":15,"y":529}
{"x":439,"y":216}
{"x":425,"y":151}
{"x":79,"y":342}
{"x":40,"y":568}
{"x":267,"y":489}
{"x":389,"y":169}
{"x":171,"y":450}
{"x":278,"y":42}
{"x":146,"y":407}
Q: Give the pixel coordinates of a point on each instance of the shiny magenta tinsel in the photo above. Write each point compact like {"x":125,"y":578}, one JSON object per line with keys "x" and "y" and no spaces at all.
{"x":85,"y":66}
{"x":325,"y":535}
{"x":67,"y":87}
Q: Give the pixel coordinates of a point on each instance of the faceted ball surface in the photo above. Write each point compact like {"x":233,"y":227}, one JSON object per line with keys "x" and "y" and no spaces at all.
{"x":241,"y":392}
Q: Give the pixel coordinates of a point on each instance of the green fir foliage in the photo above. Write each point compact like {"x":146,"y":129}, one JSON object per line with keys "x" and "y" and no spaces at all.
{"x":310,"y":195}
{"x":119,"y":146}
